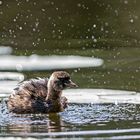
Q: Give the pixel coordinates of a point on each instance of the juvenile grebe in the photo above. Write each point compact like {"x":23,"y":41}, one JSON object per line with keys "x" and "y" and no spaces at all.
{"x":41,"y":95}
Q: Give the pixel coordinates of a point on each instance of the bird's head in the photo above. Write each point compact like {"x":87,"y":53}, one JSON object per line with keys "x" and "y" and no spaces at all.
{"x":60,"y":80}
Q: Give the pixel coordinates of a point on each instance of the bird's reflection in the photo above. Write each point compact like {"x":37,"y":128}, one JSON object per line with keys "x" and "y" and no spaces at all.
{"x":55,"y":123}
{"x":36,"y":123}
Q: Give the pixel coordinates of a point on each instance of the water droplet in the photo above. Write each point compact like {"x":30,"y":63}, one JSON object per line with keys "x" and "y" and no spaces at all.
{"x":92,"y":37}
{"x":14,"y":20}
{"x":19,"y":67}
{"x":131,"y":20}
{"x":69,"y":43}
{"x":20,"y":28}
{"x":116,"y":102}
{"x":102,"y":28}
{"x":34,"y":29}
{"x":88,"y":30}
{"x":106,"y":23}
{"x":125,"y":2}
{"x":43,"y":9}
{"x":95,"y":40}
{"x":0,"y":2}
{"x":79,"y":5}
{"x":94,"y":26}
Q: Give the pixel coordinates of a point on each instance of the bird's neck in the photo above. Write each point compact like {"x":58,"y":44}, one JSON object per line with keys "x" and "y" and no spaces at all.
{"x":53,"y":95}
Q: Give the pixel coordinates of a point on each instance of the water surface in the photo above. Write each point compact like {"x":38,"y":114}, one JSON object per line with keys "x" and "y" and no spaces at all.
{"x":4,"y":50}
{"x":91,"y":119}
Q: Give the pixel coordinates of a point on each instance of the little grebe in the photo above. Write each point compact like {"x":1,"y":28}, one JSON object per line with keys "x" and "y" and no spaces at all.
{"x":41,"y":95}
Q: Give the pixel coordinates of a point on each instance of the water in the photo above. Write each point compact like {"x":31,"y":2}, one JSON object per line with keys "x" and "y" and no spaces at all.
{"x":91,"y":119}
{"x":13,"y":76}
{"x":107,"y":31}
{"x":5,"y":50}
{"x":101,"y":96}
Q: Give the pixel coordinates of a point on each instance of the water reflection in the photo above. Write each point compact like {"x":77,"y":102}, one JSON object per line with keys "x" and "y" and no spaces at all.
{"x":101,"y":96}
{"x":33,"y":123}
{"x":6,"y":87}
{"x":4,"y":50}
{"x":36,"y":62}
{"x":28,"y":123}
{"x":36,"y":123}
{"x":11,"y":76}
{"x":8,"y":81}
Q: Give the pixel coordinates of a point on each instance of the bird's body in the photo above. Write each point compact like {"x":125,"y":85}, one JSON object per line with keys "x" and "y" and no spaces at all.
{"x":40,"y":95}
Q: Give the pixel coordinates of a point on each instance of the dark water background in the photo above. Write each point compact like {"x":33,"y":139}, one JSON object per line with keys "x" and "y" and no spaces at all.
{"x":103,"y":29}
{"x":108,"y":30}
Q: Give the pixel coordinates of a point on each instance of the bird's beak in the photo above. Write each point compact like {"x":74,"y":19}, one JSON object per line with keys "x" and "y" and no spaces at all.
{"x":71,"y":84}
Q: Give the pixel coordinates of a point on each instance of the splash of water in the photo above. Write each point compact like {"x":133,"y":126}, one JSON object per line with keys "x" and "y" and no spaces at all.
{"x":76,"y":114}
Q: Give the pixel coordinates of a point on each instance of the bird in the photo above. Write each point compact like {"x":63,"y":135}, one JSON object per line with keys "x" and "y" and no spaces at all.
{"x":41,"y":95}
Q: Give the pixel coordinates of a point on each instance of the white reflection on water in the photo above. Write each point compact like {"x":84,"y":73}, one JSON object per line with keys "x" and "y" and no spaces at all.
{"x":13,"y":76}
{"x":82,"y":96}
{"x":36,"y":62}
{"x":5,"y":50}
{"x":8,"y":81}
{"x":6,"y":87}
{"x":101,"y":96}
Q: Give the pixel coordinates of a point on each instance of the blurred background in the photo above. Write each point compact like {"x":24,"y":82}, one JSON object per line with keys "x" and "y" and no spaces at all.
{"x":96,"y":41}
{"x":108,"y":30}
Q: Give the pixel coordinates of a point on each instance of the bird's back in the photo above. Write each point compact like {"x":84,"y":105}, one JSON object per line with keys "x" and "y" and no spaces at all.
{"x":29,"y":97}
{"x":35,"y":87}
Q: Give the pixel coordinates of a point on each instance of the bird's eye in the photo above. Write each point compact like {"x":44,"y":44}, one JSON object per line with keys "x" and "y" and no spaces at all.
{"x":67,"y":81}
{"x":59,"y":78}
{"x":64,"y":80}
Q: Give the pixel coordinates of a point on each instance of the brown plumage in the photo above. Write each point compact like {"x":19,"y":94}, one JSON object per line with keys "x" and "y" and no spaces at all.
{"x":41,"y":95}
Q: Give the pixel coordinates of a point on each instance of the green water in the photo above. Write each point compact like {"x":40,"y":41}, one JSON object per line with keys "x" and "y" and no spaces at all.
{"x":103,"y":29}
